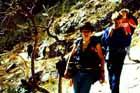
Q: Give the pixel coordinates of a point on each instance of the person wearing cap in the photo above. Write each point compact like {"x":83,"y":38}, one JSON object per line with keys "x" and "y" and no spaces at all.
{"x":89,"y":59}
{"x":118,"y":43}
{"x":129,"y":23}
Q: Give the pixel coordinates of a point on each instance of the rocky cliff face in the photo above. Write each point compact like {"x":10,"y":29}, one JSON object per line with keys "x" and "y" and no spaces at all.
{"x":67,"y":14}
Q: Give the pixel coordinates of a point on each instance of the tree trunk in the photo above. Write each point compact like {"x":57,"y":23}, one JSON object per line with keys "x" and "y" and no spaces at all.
{"x":34,"y":50}
{"x":60,"y":84}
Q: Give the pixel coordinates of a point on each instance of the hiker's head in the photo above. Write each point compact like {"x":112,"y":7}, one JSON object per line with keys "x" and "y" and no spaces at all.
{"x":86,"y":29}
{"x":124,"y":12}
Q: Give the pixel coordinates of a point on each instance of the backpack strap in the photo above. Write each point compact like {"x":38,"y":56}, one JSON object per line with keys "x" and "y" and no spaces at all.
{"x":76,"y":45}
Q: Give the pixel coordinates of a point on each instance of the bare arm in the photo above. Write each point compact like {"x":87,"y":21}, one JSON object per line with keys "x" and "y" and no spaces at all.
{"x":132,"y":23}
{"x":100,"y":53}
{"x":101,"y":56}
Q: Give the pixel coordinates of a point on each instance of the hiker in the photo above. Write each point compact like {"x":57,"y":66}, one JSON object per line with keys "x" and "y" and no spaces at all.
{"x":42,"y":51}
{"x":129,"y":23}
{"x":29,"y":50}
{"x":89,"y":60}
{"x":118,"y":43}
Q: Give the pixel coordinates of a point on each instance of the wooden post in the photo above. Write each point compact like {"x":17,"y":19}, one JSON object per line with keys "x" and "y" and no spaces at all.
{"x":60,"y":84}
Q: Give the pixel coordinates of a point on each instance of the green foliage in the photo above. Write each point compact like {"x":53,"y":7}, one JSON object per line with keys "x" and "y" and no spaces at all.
{"x":51,"y":85}
{"x":21,"y":89}
{"x":11,"y":90}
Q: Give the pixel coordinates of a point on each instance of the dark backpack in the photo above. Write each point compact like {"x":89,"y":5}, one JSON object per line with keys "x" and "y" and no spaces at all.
{"x":119,"y":39}
{"x":61,"y":66}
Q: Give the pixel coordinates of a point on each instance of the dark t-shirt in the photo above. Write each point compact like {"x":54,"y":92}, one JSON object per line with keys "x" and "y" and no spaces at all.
{"x":89,"y":57}
{"x":119,"y":39}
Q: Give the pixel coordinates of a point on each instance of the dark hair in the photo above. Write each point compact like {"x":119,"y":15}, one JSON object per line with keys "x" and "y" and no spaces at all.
{"x":87,"y":26}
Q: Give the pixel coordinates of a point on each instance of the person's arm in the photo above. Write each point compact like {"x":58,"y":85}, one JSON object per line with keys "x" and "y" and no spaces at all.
{"x":132,"y":23}
{"x":101,"y":56}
